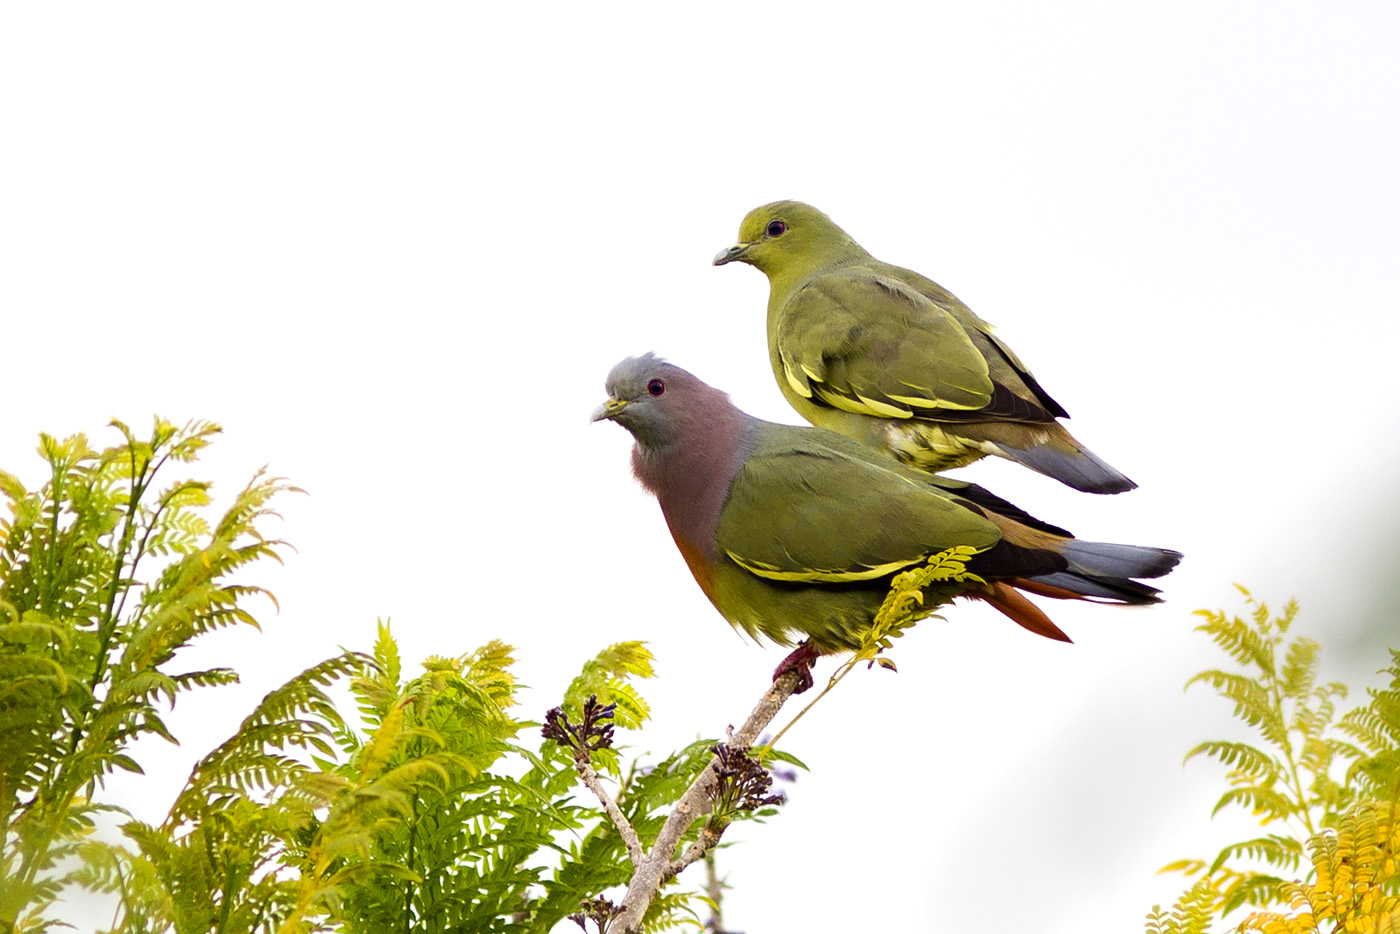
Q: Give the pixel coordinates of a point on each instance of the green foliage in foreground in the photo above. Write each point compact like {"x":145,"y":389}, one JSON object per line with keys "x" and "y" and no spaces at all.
{"x":1326,"y":787}
{"x":424,"y":816}
{"x":104,"y":577}
{"x":427,"y":809}
{"x":427,"y":812}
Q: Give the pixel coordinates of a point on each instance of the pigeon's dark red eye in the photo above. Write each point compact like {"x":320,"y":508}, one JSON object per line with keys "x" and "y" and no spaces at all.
{"x":776,"y":228}
{"x":656,"y":387}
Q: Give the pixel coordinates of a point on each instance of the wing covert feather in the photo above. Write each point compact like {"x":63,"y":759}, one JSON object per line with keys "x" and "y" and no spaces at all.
{"x":867,"y":343}
{"x":804,"y":512}
{"x":879,"y":345}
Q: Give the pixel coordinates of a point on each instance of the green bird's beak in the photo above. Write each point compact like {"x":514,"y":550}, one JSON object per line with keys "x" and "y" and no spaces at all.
{"x":608,"y":409}
{"x":730,"y":253}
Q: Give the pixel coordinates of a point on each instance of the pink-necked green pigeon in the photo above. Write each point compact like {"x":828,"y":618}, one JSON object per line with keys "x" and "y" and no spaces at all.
{"x":795,"y":533}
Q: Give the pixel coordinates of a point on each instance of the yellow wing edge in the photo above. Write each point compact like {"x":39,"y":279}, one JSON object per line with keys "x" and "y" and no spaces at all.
{"x":768,"y":571}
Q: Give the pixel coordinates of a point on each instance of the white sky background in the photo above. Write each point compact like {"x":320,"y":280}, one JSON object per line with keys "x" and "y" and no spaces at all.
{"x":395,"y":250}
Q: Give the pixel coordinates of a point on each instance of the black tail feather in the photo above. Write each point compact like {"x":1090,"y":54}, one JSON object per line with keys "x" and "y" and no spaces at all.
{"x":1109,"y":590}
{"x":986,"y":500}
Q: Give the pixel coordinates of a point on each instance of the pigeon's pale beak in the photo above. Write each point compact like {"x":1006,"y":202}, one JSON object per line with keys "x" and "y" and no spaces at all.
{"x":608,"y":409}
{"x":730,"y":253}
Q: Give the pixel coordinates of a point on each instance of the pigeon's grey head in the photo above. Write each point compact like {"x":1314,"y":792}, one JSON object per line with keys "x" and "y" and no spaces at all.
{"x":658,"y":401}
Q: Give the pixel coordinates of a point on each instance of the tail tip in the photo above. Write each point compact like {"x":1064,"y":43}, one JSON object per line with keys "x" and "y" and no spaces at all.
{"x":1079,"y":469}
{"x":1116,"y":484}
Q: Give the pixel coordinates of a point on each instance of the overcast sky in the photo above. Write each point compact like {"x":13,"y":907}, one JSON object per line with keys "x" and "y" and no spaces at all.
{"x":394,"y":250}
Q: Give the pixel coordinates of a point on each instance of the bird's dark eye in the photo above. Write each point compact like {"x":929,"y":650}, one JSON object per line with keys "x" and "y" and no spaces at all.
{"x":776,"y":228}
{"x":656,"y":387}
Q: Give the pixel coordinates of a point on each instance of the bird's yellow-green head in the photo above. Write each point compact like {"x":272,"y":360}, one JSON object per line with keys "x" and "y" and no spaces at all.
{"x":789,"y":237}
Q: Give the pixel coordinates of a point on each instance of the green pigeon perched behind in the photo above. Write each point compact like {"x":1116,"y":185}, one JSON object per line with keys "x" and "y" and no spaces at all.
{"x":795,"y":533}
{"x":885,"y":356}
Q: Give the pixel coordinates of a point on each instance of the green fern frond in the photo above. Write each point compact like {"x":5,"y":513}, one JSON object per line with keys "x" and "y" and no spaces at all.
{"x":1377,"y":728}
{"x":1353,"y":882}
{"x":33,"y":630}
{"x":243,"y":763}
{"x":1264,"y":803}
{"x":1254,"y":703}
{"x":626,"y":660}
{"x":1192,"y":913}
{"x":670,"y":910}
{"x":1299,"y":669}
{"x":210,"y":677}
{"x":1373,"y":726}
{"x":386,"y":740}
{"x":12,"y":489}
{"x":912,"y":593}
{"x":98,"y":555}
{"x":632,"y":711}
{"x":1242,"y":758}
{"x":1250,"y":647}
{"x":606,"y":676}
{"x":1284,"y":853}
{"x":386,"y":654}
{"x":21,"y":673}
{"x":488,"y":669}
{"x":1187,"y":867}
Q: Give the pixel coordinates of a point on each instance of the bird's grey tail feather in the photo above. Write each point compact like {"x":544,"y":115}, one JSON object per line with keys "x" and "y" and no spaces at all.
{"x":1077,"y":467}
{"x":1103,"y":559}
{"x":1104,"y":571}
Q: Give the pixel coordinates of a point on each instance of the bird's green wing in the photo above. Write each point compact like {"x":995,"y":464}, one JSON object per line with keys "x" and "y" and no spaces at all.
{"x":1006,"y":368}
{"x":864,"y":342}
{"x":871,"y":344}
{"x":804,"y":510}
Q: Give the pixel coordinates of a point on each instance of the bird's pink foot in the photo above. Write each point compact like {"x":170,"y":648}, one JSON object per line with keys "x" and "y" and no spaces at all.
{"x":802,"y":660}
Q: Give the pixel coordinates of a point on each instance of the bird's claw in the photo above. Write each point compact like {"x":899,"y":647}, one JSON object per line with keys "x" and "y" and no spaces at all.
{"x":801,"y":661}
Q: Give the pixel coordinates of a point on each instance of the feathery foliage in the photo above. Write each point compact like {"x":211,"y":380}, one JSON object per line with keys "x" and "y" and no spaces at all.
{"x":474,"y":843}
{"x":425,"y":813}
{"x":225,"y":857}
{"x":106,"y":572}
{"x":1330,"y":786}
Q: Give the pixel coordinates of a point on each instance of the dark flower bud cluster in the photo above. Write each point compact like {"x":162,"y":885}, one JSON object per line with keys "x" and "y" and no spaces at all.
{"x":743,"y":782}
{"x":598,"y":910}
{"x":595,"y":732}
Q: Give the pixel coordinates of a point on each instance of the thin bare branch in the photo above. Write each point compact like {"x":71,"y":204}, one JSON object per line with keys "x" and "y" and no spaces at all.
{"x":590,"y":778}
{"x":714,"y":890}
{"x":658,"y":865}
{"x":696,"y":851}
